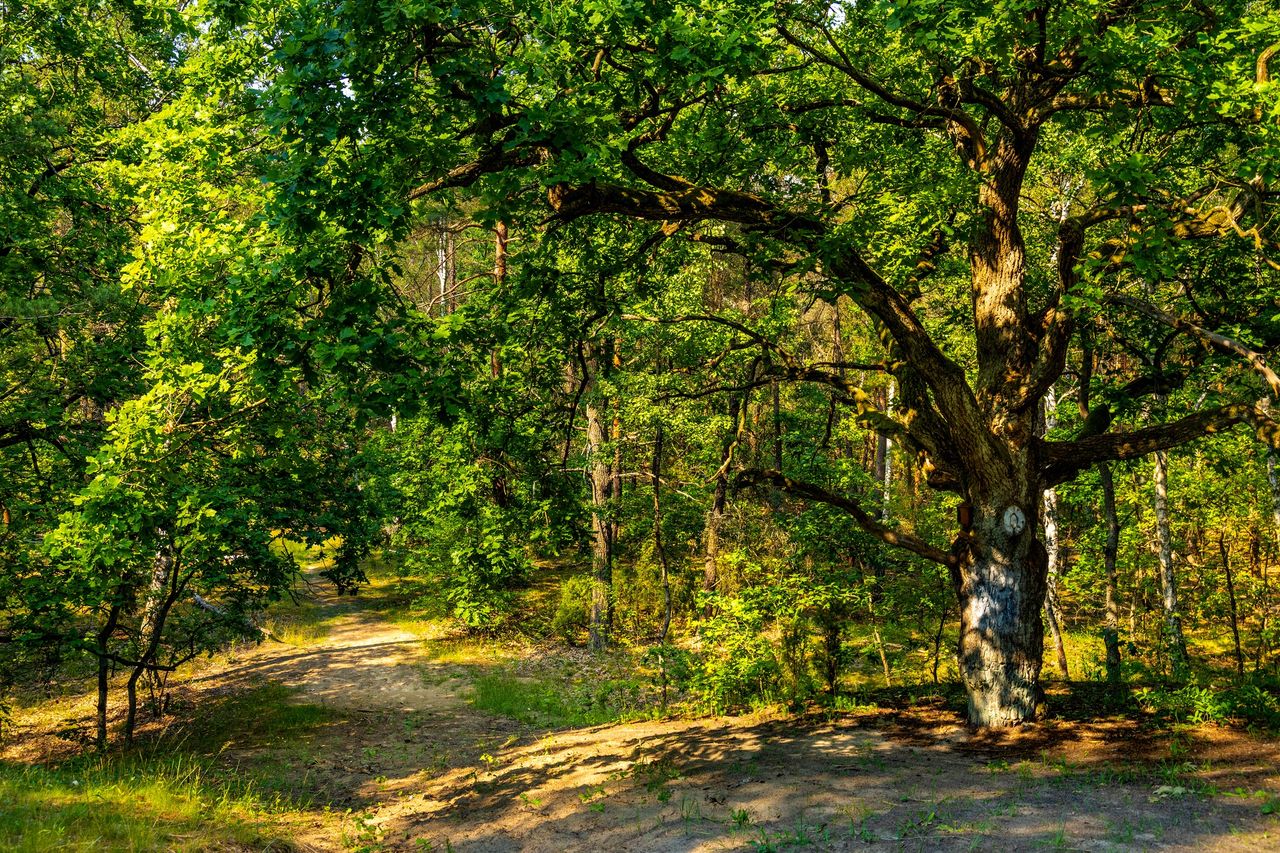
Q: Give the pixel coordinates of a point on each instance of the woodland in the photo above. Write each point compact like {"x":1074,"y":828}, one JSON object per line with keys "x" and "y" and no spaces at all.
{"x":758,"y":354}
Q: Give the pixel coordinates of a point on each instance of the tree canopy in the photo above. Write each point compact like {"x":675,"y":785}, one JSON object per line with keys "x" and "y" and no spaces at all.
{"x":507,"y":279}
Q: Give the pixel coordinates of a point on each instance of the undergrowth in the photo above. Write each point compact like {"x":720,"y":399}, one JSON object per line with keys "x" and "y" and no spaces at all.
{"x":1250,"y":703}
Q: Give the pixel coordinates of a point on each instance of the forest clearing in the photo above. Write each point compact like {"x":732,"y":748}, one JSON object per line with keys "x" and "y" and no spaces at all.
{"x":654,"y":424}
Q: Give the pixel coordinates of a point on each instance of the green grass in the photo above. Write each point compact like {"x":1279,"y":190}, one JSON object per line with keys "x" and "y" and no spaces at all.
{"x":263,"y":716}
{"x":300,"y":624}
{"x":545,"y":704}
{"x":171,"y":794}
{"x":167,"y":804}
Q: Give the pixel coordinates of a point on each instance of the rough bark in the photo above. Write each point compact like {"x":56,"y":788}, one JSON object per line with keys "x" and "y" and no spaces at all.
{"x":1001,"y":589}
{"x":1001,"y":574}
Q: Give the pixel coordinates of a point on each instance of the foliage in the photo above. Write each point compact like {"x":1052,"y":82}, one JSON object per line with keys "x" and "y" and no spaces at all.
{"x":1251,"y":703}
{"x":769,"y":315}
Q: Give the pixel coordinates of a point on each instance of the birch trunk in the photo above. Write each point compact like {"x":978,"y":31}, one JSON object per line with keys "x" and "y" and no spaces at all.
{"x":1052,"y":610}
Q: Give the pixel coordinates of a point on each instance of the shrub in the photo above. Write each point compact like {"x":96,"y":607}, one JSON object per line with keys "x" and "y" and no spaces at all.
{"x":572,"y":614}
{"x":1247,"y":703}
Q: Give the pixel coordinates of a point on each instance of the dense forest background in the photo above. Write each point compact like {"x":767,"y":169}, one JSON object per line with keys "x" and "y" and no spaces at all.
{"x":501,"y":291}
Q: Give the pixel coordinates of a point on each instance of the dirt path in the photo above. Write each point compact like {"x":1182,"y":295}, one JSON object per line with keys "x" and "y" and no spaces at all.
{"x":422,"y":770}
{"x":363,"y":664}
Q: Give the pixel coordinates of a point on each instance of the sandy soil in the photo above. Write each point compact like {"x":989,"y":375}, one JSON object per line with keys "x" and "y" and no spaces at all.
{"x":407,"y":764}
{"x":423,"y":770}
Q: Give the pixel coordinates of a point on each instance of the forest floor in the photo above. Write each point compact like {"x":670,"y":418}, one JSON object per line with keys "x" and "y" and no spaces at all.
{"x":363,"y":734}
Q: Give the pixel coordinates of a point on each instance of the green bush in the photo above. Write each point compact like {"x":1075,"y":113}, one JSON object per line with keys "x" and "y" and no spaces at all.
{"x":1247,"y":703}
{"x":572,"y":612}
{"x":738,"y":664}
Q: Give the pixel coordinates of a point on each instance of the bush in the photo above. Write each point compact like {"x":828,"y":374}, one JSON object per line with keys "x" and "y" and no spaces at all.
{"x":738,"y":665}
{"x":572,"y":613}
{"x":1248,"y":703}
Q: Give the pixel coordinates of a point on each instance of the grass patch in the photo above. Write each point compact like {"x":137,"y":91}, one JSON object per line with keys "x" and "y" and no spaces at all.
{"x":172,"y":793}
{"x":301,"y":624}
{"x":118,"y":804}
{"x":263,"y":716}
{"x":547,"y":704}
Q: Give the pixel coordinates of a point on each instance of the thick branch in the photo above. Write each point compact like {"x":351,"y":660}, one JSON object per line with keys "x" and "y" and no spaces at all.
{"x":865,"y":520}
{"x":1062,"y":460}
{"x":1221,"y":343}
{"x":495,"y":158}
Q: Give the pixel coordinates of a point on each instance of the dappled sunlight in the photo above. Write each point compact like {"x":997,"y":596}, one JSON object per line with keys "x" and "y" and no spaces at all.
{"x":371,"y":737}
{"x":724,"y":784}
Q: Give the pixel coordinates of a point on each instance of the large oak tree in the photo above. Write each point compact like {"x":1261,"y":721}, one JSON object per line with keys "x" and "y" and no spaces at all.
{"x":1009,"y":190}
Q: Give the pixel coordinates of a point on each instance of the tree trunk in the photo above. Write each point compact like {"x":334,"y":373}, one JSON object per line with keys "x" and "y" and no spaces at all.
{"x":1273,"y":480}
{"x":1001,"y":583}
{"x":659,"y":548}
{"x":500,"y":280}
{"x":1052,"y":610}
{"x":161,"y":595}
{"x":886,"y":456}
{"x":1177,"y":643}
{"x":777,"y":427}
{"x":104,"y":671}
{"x":1111,"y":629}
{"x":1231,"y":600}
{"x":602,"y":542}
{"x":719,"y":500}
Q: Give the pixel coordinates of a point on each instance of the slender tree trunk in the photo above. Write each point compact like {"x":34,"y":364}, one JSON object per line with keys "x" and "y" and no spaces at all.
{"x":937,"y":641}
{"x":1111,"y":629}
{"x":615,"y":481}
{"x":602,"y":542}
{"x":660,"y":550}
{"x":1052,"y":610}
{"x":444,"y":272}
{"x":499,"y":279}
{"x":777,"y":427}
{"x":161,"y":595}
{"x":719,"y":500}
{"x":884,"y":457}
{"x":875,"y":632}
{"x":1273,"y":479}
{"x":104,"y":671}
{"x":1231,"y":601}
{"x":1175,"y":640}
